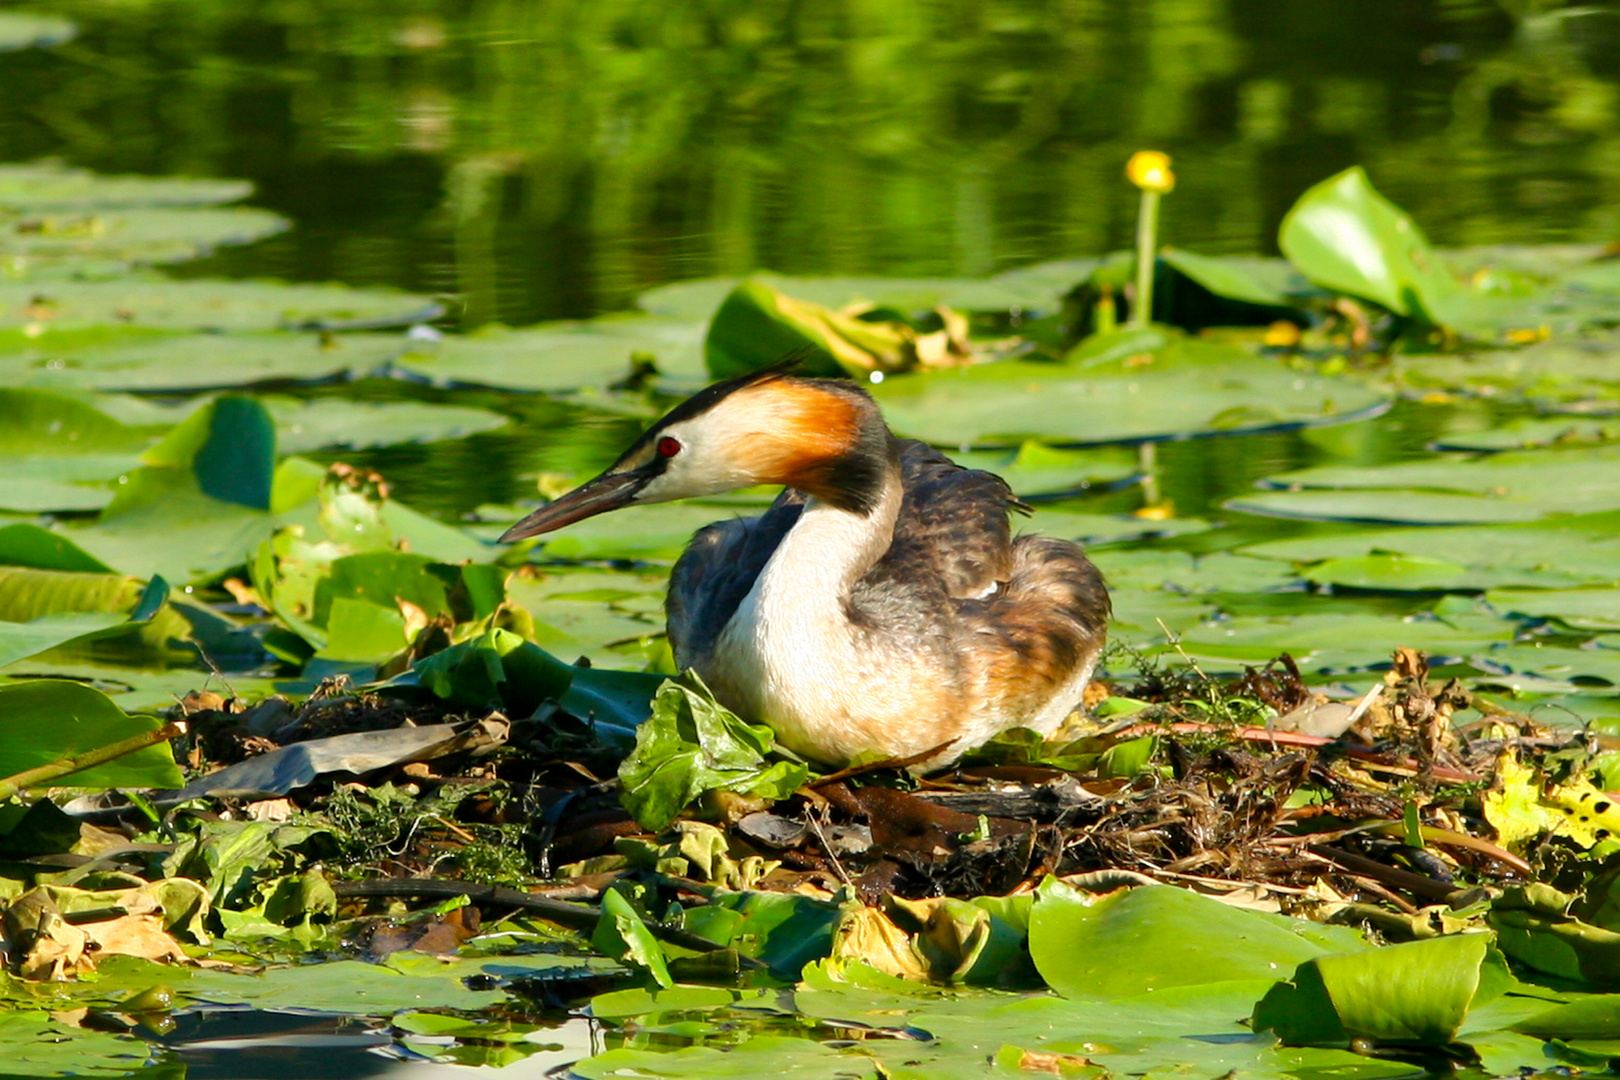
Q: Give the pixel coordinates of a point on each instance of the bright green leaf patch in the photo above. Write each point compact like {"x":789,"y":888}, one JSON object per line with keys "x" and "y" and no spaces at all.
{"x":44,"y":720}
{"x":1418,"y":992}
{"x":690,"y":745}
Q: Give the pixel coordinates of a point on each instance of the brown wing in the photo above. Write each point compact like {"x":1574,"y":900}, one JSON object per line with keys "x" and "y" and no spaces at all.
{"x":952,"y":526}
{"x":716,"y":571}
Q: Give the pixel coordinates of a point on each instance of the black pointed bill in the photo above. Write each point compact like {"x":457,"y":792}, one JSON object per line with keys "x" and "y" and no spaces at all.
{"x":607,"y":492}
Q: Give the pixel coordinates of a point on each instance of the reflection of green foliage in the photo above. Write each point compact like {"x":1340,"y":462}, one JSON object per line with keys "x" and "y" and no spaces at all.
{"x":915,"y":137}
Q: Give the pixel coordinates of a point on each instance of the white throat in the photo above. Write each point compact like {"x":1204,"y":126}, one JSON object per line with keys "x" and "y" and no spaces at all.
{"x":793,"y":655}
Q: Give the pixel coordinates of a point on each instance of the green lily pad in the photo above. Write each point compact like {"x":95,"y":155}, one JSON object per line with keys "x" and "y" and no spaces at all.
{"x":1190,"y":387}
{"x":1508,"y":487}
{"x":1417,"y":992}
{"x":1253,"y":280}
{"x":147,"y":689}
{"x":1038,"y":469}
{"x":48,"y":719}
{"x":27,"y":544}
{"x":1572,"y":669}
{"x":1534,"y":432}
{"x":141,"y":235}
{"x":1185,"y":574}
{"x":586,"y":613}
{"x":42,"y":610}
{"x":58,"y":448}
{"x":558,"y":356}
{"x":163,"y":304}
{"x":1104,"y":528}
{"x":1345,"y":236}
{"x":1338,"y":642}
{"x":199,"y":361}
{"x":1560,"y":371}
{"x":200,"y":504}
{"x":49,"y":186}
{"x":1049,"y":283}
{"x":1558,"y":551}
{"x":1137,"y":941}
{"x":1542,"y":264}
{"x":657,"y":532}
{"x":32,"y":1043}
{"x":1393,"y":571}
{"x":1581,"y":609}
{"x":302,"y":426}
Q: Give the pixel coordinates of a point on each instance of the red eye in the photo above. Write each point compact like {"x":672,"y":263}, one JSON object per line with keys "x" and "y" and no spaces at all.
{"x":668,"y":447}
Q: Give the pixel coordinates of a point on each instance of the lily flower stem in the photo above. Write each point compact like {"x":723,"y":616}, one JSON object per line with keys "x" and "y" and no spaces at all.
{"x":1147,"y":463}
{"x":1147,"y":235}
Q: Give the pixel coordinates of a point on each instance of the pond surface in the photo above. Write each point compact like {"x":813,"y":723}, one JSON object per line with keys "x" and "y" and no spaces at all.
{"x":553,"y":159}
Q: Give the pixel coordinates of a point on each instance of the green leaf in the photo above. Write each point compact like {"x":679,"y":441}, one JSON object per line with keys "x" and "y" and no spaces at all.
{"x":1151,"y":938}
{"x":614,"y":703}
{"x":1581,"y":609}
{"x":1345,"y":236}
{"x":45,"y":186}
{"x":622,"y":935}
{"x":1589,"y":1018}
{"x":201,"y":504}
{"x":32,"y":1043}
{"x":110,"y":239}
{"x":1564,"y":550}
{"x":44,"y":609}
{"x":197,"y":304}
{"x":1038,"y":469}
{"x":691,"y":744}
{"x":54,"y":444}
{"x":558,"y":356}
{"x":36,"y":547}
{"x":757,"y":325}
{"x":1190,"y":387}
{"x":302,"y":426}
{"x":1530,"y":433}
{"x":1417,"y":992}
{"x":152,"y":362}
{"x":785,"y":930}
{"x":358,"y":631}
{"x":1266,"y":282}
{"x":1564,"y":372}
{"x":1501,"y":488}
{"x":495,"y":667}
{"x":45,"y":720}
{"x":228,"y":446}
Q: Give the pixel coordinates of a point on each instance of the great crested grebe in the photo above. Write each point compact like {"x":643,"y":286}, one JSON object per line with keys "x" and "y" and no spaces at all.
{"x":881,"y":605}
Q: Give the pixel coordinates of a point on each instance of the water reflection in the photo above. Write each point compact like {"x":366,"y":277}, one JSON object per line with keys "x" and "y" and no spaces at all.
{"x":553,"y":158}
{"x":253,"y":1044}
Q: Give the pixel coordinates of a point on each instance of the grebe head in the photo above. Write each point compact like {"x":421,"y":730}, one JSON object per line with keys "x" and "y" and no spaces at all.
{"x":822,"y":436}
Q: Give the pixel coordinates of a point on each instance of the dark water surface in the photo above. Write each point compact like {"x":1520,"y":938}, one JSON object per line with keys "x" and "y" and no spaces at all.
{"x":551,"y":158}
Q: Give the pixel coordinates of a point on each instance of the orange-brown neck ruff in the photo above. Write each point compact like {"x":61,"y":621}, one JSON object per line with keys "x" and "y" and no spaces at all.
{"x":824,"y":438}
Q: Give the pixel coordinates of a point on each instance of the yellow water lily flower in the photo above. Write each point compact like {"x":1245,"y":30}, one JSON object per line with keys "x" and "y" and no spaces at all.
{"x":1150,"y":171}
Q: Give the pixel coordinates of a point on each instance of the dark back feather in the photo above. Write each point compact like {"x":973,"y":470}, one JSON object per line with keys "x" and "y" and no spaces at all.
{"x":953,"y":526}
